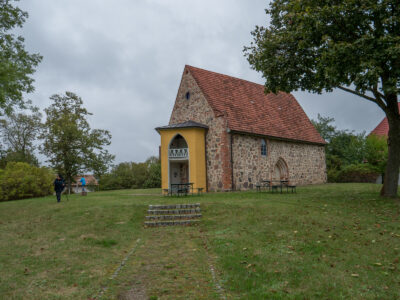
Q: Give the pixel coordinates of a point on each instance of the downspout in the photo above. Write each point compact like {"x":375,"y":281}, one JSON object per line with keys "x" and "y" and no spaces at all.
{"x":231,"y":138}
{"x":205,"y":154}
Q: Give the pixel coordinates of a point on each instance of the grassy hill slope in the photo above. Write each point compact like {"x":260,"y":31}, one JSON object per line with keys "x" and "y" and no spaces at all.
{"x":328,"y":241}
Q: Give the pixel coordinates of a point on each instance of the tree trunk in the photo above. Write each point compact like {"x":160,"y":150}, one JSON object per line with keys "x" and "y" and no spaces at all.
{"x":69,"y":186}
{"x":390,"y":184}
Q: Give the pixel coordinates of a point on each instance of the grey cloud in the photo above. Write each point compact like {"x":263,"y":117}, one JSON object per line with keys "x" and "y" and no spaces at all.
{"x":125,"y":59}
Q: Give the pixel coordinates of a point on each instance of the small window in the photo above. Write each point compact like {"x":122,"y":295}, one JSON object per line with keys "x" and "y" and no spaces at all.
{"x":263,"y":148}
{"x":187,"y":95}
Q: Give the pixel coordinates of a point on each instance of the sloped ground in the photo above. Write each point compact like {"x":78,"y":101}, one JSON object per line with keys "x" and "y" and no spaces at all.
{"x":330,"y":241}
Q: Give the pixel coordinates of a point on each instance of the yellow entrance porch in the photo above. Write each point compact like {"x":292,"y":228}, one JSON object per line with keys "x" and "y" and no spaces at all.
{"x":182,"y":154}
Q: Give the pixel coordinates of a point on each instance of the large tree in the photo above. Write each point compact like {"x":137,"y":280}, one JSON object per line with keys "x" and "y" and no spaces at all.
{"x":19,"y":132}
{"x":16,"y":64}
{"x":69,"y":143}
{"x":320,"y":45}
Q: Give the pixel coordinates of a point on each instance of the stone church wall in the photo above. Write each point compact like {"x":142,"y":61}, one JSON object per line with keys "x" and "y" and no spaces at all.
{"x":197,"y":109}
{"x":306,"y":162}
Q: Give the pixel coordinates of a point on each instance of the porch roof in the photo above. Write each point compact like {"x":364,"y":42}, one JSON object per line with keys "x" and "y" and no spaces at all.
{"x":187,"y":124}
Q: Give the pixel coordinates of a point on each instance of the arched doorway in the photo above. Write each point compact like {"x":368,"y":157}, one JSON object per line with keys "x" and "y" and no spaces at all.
{"x":178,"y":159}
{"x":280,"y":170}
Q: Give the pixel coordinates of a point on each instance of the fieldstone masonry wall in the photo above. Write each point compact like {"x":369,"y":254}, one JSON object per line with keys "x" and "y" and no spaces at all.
{"x":197,"y":109}
{"x":306,"y":162}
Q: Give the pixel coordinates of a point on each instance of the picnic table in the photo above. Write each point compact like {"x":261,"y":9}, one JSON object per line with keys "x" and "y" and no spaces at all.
{"x":181,"y":189}
{"x":276,"y":185}
{"x":264,"y":184}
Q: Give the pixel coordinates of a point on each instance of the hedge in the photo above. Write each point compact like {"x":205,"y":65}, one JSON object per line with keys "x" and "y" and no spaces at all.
{"x":20,"y":180}
{"x":358,"y":173}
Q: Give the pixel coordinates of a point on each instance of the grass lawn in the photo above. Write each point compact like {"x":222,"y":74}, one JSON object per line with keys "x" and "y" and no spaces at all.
{"x":336,"y":241}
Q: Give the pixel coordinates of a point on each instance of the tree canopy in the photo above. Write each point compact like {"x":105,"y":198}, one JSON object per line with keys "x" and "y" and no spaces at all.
{"x":16,"y":64}
{"x":69,"y":143}
{"x":131,"y":175}
{"x":346,"y":148}
{"x":320,"y":45}
{"x":19,"y":132}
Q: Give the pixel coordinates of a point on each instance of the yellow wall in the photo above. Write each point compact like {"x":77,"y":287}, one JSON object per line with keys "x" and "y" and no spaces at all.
{"x":195,"y":139}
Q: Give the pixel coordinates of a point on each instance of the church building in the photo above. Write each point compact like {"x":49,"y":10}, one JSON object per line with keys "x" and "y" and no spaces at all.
{"x":225,"y":134}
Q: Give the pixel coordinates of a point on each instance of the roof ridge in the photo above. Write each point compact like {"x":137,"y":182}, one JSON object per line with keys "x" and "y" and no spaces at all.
{"x":229,"y":76}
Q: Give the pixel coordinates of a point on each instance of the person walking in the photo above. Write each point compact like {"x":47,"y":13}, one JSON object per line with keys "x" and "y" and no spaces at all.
{"x":83,"y":182}
{"x":59,"y":186}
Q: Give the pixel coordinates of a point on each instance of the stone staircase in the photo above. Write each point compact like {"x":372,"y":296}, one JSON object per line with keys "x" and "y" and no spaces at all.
{"x":173,"y":214}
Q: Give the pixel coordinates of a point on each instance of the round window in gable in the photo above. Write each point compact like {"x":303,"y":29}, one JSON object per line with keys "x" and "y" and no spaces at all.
{"x":187,"y":95}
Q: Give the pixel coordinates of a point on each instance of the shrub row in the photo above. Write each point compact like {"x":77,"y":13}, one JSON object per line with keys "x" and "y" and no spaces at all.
{"x":354,"y":173}
{"x":131,"y":175}
{"x":20,"y":180}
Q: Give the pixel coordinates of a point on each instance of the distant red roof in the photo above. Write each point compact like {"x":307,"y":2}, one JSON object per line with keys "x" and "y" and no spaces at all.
{"x":90,"y":180}
{"x":248,"y":109}
{"x":383,"y":128}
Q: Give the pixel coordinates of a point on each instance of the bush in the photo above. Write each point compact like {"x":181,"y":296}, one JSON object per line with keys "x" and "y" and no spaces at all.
{"x":154,"y":176}
{"x":333,"y":175}
{"x":131,"y":175}
{"x":358,"y":173}
{"x":20,"y":180}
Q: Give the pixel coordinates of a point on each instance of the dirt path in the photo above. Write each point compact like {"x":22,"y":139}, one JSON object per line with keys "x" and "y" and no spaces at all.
{"x":170,"y":263}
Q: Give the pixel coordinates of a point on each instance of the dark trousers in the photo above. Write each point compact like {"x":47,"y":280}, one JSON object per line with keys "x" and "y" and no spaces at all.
{"x":58,"y":194}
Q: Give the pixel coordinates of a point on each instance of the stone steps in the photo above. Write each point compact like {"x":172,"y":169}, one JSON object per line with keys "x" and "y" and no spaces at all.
{"x":175,"y":206}
{"x":173,"y":214}
{"x":171,"y":223}
{"x":173,"y":211}
{"x":173,"y":217}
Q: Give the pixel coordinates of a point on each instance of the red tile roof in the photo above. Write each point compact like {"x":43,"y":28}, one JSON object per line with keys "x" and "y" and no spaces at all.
{"x":248,"y":109}
{"x":383,"y":128}
{"x":90,"y":180}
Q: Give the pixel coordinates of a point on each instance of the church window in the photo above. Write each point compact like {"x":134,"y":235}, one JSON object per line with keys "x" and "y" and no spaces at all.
{"x":263,"y":148}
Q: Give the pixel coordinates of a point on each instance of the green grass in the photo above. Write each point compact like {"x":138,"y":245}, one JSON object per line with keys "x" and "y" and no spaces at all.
{"x":330,"y":241}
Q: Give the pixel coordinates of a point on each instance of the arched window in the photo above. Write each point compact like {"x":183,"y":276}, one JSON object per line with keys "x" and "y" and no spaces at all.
{"x":263,"y":148}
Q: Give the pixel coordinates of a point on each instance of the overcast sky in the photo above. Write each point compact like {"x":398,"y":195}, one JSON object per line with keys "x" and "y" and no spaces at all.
{"x":125,"y":59}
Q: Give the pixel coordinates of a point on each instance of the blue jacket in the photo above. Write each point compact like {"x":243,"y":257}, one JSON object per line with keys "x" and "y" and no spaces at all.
{"x":83,"y":181}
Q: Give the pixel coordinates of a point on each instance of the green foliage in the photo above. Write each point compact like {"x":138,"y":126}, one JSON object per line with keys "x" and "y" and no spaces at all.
{"x":19,"y":132}
{"x":133,"y":175}
{"x":345,"y":148}
{"x":319,"y":45}
{"x":358,"y":173}
{"x":376,"y":152}
{"x":70,"y":145}
{"x":16,"y":64}
{"x":348,"y":146}
{"x":10,"y":156}
{"x":325,"y":128}
{"x":20,"y":180}
{"x":153,"y":179}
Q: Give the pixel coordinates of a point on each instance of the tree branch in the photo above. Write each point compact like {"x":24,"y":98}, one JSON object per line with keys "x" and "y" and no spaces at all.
{"x":376,"y":92}
{"x":378,"y":101}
